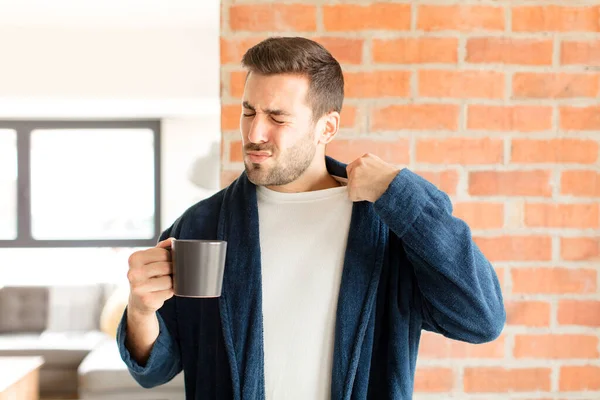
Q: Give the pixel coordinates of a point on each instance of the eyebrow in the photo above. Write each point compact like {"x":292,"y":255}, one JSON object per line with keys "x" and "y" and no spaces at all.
{"x":270,"y":111}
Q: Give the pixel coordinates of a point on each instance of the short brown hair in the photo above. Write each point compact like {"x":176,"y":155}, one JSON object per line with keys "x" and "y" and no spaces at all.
{"x":302,"y":56}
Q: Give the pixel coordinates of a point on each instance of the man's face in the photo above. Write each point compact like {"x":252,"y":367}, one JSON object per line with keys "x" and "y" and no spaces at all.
{"x":278,"y":133}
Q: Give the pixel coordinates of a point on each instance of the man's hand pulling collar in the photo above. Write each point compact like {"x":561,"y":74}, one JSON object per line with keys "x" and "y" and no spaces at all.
{"x":369,"y":177}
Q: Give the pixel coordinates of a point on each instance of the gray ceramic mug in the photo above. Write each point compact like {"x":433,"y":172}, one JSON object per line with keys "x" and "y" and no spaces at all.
{"x":198,"y":267}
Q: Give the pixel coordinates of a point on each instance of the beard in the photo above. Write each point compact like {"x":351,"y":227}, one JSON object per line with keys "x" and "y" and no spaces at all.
{"x":286,"y":168}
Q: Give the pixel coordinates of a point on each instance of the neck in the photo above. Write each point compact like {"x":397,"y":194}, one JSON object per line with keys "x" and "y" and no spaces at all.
{"x":314,"y":178}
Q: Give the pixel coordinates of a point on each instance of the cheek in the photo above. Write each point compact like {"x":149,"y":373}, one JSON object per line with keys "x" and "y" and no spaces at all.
{"x":283,"y":138}
{"x":288,"y":138}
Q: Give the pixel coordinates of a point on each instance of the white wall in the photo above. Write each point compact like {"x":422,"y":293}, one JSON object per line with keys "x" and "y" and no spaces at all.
{"x":157,"y":72}
{"x":191,"y":163}
{"x":81,"y":62}
{"x":135,"y":63}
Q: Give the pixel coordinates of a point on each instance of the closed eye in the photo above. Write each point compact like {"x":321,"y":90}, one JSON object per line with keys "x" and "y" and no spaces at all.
{"x":273,"y":119}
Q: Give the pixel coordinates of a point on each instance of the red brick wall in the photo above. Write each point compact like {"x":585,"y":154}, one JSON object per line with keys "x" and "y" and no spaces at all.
{"x":498,"y":104}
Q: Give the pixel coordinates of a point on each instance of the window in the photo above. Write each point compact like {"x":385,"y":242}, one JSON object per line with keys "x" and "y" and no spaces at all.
{"x":79,"y":183}
{"x":8,"y":184}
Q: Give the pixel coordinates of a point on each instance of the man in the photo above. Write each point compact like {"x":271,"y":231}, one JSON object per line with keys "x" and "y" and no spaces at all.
{"x":332,"y":271}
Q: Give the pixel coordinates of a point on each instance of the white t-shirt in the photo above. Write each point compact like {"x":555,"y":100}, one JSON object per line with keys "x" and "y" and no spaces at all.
{"x":303,"y":240}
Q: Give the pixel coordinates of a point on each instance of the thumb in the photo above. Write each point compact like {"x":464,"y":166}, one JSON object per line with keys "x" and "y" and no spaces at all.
{"x":165,"y":244}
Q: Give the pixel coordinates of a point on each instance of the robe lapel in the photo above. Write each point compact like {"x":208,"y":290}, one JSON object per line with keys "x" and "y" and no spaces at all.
{"x":356,"y":301}
{"x":241,"y":300}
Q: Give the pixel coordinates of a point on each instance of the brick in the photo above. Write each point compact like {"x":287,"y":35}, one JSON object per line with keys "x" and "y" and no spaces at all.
{"x":537,"y":85}
{"x":236,"y":151}
{"x":273,"y":17}
{"x":555,"y":18}
{"x":516,"y":248}
{"x":528,"y":313}
{"x":415,"y":50}
{"x":377,"y":84}
{"x":376,"y":16}
{"x":509,"y":118}
{"x":553,"y":281}
{"x":345,"y":50}
{"x":461,"y":84}
{"x":514,"y":214}
{"x":554,"y":151}
{"x":227,"y":177}
{"x":237,"y":83}
{"x":230,"y":117}
{"x":580,"y":118}
{"x":581,"y":52}
{"x":502,"y":380}
{"x":556,"y":346}
{"x":348,"y":117}
{"x":416,"y":117}
{"x":580,"y":248}
{"x":510,"y":183}
{"x":503,"y":50}
{"x":460,"y":17}
{"x":580,"y":183}
{"x":233,"y":49}
{"x":460,"y":151}
{"x":435,"y":346}
{"x":579,"y":312}
{"x":433,"y":379}
{"x":581,"y":216}
{"x":480,"y":215}
{"x":579,"y":378}
{"x":395,"y":152}
{"x":446,"y":181}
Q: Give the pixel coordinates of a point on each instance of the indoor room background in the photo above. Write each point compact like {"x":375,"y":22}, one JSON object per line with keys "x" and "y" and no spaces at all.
{"x":496,"y":102}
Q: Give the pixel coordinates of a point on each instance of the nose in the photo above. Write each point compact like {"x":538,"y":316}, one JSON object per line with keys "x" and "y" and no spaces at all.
{"x":258,"y":130}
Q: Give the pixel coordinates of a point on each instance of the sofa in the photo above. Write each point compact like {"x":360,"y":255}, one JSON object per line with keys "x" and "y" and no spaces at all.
{"x":104,"y":365}
{"x":81,"y":359}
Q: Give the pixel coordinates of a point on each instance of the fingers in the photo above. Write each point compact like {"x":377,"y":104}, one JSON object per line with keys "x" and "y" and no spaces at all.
{"x":159,"y":269}
{"x":155,"y":285}
{"x":141,"y":273}
{"x":150,"y":297}
{"x":148,"y":256}
{"x":165,"y":244}
{"x":165,"y":294}
{"x":359,"y":161}
{"x":350,"y":167}
{"x":149,"y":275}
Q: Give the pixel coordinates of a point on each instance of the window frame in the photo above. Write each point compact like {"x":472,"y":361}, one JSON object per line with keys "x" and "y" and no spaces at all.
{"x":23,"y":129}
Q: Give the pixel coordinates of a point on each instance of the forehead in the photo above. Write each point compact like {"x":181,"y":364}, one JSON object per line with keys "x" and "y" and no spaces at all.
{"x":284,"y":91}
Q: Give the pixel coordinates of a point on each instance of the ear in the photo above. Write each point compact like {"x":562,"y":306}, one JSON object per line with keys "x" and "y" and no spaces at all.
{"x":330,"y":124}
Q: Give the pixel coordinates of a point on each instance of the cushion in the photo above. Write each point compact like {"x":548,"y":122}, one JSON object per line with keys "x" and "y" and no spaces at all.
{"x":104,"y":370}
{"x":112,"y":313}
{"x":23,"y":309}
{"x":75,"y":308}
{"x":58,"y":349}
{"x":64,"y":308}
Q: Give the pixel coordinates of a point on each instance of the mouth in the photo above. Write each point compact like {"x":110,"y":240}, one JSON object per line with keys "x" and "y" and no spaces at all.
{"x":257,"y":157}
